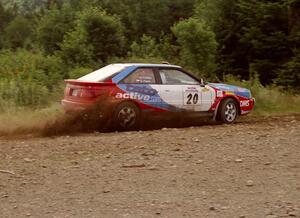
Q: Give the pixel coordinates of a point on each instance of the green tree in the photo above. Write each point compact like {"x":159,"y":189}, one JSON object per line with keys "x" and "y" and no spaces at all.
{"x":264,"y":34}
{"x":5,"y":18}
{"x":148,"y":17}
{"x":198,"y":45}
{"x":53,"y":26}
{"x":222,"y":17}
{"x":18,"y":33}
{"x":253,"y":36}
{"x":288,"y":75}
{"x":96,"y":37}
{"x":29,"y":79}
{"x":2,"y":24}
{"x":147,"y":48}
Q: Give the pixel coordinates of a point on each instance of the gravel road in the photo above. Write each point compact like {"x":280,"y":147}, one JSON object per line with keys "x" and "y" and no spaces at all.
{"x":249,"y":169}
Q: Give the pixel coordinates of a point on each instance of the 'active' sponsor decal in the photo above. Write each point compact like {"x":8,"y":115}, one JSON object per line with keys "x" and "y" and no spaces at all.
{"x":134,"y":96}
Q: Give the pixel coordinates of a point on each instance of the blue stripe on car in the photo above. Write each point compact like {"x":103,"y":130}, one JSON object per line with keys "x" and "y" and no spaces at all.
{"x":120,"y":76}
{"x":147,"y":95}
{"x":154,"y":101}
{"x":235,"y":89}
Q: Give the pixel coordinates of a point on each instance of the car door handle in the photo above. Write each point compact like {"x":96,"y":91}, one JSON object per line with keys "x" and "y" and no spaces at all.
{"x":167,"y":90}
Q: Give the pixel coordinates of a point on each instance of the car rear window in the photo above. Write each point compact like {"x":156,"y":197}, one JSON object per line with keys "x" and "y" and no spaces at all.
{"x":103,"y":73}
{"x":141,"y":76}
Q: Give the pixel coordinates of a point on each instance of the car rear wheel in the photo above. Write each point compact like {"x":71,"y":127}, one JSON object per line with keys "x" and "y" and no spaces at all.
{"x":127,"y":116}
{"x":228,"y":111}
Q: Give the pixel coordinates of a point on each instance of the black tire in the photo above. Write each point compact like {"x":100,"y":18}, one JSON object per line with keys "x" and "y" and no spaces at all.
{"x":228,"y":111}
{"x":127,"y":116}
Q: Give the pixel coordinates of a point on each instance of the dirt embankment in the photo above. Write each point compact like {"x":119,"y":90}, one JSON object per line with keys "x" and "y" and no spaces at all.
{"x":250,"y":169}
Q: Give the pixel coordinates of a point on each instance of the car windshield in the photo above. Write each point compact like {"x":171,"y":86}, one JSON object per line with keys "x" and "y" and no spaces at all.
{"x":103,"y":73}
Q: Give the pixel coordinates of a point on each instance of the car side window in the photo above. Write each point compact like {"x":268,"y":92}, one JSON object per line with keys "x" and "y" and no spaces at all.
{"x":174,"y":77}
{"x":141,"y":76}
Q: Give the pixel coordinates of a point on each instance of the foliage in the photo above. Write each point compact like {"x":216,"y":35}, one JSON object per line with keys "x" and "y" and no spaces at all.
{"x":27,"y":79}
{"x":2,"y":24}
{"x":96,"y":37}
{"x":79,"y":72}
{"x":221,"y":16}
{"x":198,"y":49}
{"x":147,"y":47}
{"x":49,"y":40}
{"x":253,"y":35}
{"x":268,"y":99}
{"x":134,"y":59}
{"x":148,"y":17}
{"x":18,"y":32}
{"x":53,"y":26}
{"x":289,"y":74}
{"x":266,"y":43}
{"x":22,"y":93}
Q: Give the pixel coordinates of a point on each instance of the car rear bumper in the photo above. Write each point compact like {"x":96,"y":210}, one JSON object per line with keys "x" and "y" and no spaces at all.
{"x":71,"y":106}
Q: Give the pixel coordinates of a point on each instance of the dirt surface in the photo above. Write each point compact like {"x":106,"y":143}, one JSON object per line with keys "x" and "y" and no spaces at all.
{"x":249,"y":169}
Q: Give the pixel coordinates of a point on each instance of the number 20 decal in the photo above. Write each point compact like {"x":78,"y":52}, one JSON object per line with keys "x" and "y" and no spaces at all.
{"x":192,"y":99}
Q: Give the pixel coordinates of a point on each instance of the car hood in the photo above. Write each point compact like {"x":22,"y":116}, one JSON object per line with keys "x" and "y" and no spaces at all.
{"x":230,"y":88}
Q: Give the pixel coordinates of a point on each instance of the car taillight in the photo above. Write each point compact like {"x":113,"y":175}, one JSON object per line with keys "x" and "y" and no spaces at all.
{"x":67,"y":91}
{"x":75,"y":92}
{"x":87,"y":93}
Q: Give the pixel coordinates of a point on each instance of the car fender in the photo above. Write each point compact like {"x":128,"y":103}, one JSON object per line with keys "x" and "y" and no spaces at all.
{"x":220,"y":100}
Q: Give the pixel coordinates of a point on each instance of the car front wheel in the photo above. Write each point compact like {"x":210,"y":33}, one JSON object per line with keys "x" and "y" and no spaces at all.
{"x":228,"y":111}
{"x":127,"y":116}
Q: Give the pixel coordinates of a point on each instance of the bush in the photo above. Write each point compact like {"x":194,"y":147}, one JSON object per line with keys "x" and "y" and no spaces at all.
{"x":198,"y":46}
{"x":97,"y":37}
{"x":53,"y":26}
{"x":134,"y":59}
{"x":18,"y":32}
{"x":19,"y":93}
{"x":29,"y":79}
{"x":289,"y":75}
{"x":148,"y":48}
{"x":269,"y":99}
{"x":79,"y":72}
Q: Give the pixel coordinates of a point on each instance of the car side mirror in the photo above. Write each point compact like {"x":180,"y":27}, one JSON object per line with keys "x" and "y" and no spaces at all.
{"x":202,"y":83}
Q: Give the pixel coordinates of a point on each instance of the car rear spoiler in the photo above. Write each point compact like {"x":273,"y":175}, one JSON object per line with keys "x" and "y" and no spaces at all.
{"x":84,"y":83}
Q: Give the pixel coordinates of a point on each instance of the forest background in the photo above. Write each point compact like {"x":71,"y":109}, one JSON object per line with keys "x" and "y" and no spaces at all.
{"x":252,"y":43}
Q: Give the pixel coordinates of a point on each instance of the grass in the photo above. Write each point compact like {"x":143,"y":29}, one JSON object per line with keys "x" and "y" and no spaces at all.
{"x":270,"y":100}
{"x":28,"y":121}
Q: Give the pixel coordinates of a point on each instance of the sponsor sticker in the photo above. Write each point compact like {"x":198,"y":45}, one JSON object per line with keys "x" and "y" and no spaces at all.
{"x":245,"y":103}
{"x":191,"y":89}
{"x":228,"y":92}
{"x":142,"y":90}
{"x":205,"y":90}
{"x":133,"y":95}
{"x":220,"y":94}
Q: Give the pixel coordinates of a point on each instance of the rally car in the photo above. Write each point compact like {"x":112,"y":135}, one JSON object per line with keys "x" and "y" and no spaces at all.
{"x":132,"y":90}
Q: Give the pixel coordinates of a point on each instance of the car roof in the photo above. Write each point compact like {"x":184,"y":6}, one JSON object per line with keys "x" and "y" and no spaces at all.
{"x":146,"y":65}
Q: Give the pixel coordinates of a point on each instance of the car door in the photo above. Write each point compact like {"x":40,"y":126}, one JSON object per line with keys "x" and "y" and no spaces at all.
{"x":183,"y":91}
{"x":169,"y":92}
{"x":141,"y":86}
